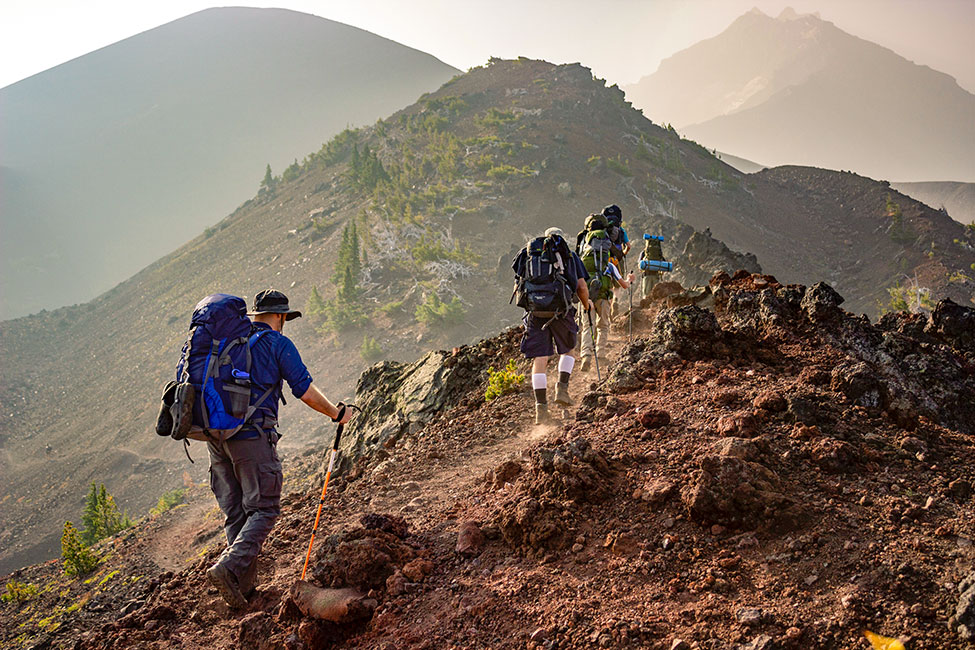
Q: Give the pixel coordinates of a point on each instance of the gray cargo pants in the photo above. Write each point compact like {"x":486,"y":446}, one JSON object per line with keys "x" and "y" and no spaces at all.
{"x":245,"y":477}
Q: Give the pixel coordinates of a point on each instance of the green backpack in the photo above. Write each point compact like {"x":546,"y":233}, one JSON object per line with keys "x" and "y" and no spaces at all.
{"x":597,"y":252}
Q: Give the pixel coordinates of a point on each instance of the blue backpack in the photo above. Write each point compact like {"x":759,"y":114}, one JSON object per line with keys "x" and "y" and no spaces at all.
{"x":212,"y":397}
{"x":543,"y":288}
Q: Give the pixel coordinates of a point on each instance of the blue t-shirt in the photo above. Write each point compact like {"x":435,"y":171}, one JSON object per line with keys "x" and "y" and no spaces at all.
{"x":574,"y":268}
{"x":274,"y":358}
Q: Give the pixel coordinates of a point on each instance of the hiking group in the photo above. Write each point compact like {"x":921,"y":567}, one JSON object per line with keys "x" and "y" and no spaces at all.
{"x":228,"y":384}
{"x":550,"y":279}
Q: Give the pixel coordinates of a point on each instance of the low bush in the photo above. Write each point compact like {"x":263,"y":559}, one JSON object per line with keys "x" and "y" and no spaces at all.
{"x":18,"y":592}
{"x":504,"y":381}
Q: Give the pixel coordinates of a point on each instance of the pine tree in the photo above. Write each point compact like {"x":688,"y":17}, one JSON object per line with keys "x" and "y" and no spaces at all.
{"x":101,"y":516}
{"x":316,"y":305}
{"x":78,"y":560}
{"x":268,"y":183}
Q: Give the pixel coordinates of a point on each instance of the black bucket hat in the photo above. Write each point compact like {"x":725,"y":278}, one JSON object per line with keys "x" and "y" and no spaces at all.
{"x":273,"y":302}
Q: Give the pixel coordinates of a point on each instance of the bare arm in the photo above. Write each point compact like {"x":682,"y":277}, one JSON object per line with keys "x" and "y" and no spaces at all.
{"x":316,"y":399}
{"x":582,"y":290}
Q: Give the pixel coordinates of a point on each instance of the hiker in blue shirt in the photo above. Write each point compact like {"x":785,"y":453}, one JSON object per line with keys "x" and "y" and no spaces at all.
{"x":245,"y":472}
{"x":553,"y":328}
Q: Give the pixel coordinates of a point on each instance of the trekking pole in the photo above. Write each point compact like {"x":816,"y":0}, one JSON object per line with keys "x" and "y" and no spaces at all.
{"x":592,"y":333}
{"x":328,"y":474}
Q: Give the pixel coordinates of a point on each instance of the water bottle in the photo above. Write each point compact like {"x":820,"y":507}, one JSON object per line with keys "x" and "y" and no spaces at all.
{"x":649,"y":237}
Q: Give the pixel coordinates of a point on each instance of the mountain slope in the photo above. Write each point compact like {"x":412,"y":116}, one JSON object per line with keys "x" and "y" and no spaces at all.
{"x":798,"y":90}
{"x":129,"y":151}
{"x":442,"y":194}
{"x":957,"y":198}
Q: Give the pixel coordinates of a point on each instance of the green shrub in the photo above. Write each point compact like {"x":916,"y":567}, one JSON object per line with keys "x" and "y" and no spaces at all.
{"x":370,"y":350}
{"x":617,"y":165}
{"x":496,"y":118}
{"x":168,"y":501}
{"x":505,"y":171}
{"x":504,"y":381}
{"x":78,"y":558}
{"x":434,"y":311}
{"x":19,"y":592}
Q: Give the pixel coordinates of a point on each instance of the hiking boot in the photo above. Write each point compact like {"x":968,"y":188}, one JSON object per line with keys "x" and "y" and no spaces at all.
{"x":248,"y":580}
{"x":542,"y":415}
{"x":586,"y":362}
{"x":562,"y":394}
{"x":226,"y":583}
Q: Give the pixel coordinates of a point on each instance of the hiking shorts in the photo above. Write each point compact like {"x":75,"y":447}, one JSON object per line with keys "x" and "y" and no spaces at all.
{"x":559,"y":335}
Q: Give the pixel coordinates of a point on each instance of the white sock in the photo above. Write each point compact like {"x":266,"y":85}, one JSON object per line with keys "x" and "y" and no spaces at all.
{"x":539,"y":381}
{"x":566,"y":363}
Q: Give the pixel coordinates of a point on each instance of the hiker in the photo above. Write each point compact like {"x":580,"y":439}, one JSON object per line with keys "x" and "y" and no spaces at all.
{"x":617,"y":234}
{"x":549,"y":279}
{"x":651,"y":253}
{"x":245,"y":472}
{"x":601,"y":257}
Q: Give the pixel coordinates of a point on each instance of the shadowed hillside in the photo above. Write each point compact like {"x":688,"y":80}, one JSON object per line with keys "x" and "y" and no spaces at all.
{"x":957,"y":198}
{"x":441,"y":195}
{"x":121,"y":155}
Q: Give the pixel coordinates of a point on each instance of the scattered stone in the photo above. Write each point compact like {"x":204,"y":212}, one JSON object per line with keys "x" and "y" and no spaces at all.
{"x":770,"y":401}
{"x":654,"y":418}
{"x":396,"y":584}
{"x":539,"y":636}
{"x":717,"y":529}
{"x":749,"y":616}
{"x":506,"y":472}
{"x":418,"y":569}
{"x":470,"y":539}
{"x":762,"y":642}
{"x":679,"y":644}
{"x":811,"y":580}
{"x":743,"y":448}
{"x":960,"y":489}
{"x":253,"y":630}
{"x":658,"y":491}
{"x":739,"y":424}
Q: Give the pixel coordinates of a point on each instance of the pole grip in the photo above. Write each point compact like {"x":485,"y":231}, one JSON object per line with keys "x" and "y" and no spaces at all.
{"x":338,"y":437}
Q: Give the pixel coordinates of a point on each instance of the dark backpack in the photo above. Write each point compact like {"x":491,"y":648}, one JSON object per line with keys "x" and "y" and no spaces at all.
{"x":211,"y":398}
{"x":544,"y":288}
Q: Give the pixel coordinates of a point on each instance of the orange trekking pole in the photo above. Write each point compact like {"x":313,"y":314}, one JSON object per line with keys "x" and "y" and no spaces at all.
{"x":328,"y":474}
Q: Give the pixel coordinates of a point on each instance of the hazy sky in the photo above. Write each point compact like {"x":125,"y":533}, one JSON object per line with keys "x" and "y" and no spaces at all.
{"x":621,"y":40}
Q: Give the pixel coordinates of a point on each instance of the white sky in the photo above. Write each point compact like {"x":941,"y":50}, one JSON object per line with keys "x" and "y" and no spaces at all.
{"x":621,"y":40}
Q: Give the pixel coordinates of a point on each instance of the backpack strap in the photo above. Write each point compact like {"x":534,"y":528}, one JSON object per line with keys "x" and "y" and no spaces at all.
{"x":214,"y":352}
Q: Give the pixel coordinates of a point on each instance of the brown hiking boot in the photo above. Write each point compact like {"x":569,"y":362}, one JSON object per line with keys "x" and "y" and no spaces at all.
{"x":248,"y":580}
{"x":226,"y":583}
{"x":542,"y":415}
{"x":562,"y":395}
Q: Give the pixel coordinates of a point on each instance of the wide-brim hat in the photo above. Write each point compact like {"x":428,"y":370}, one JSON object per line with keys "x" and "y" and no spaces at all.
{"x":273,"y":302}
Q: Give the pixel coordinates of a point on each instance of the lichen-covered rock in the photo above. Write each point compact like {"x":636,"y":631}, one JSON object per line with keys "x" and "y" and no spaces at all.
{"x":822,"y":303}
{"x":965,"y":609}
{"x":955,"y":325}
{"x":860,"y":383}
{"x":690,"y":331}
